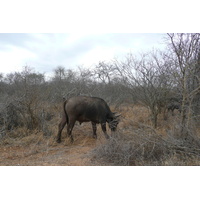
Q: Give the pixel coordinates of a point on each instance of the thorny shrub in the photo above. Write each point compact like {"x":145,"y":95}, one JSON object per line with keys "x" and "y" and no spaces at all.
{"x":141,"y":147}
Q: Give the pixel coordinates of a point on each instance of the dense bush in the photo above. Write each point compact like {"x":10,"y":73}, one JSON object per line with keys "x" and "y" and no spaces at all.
{"x":141,"y":147}
{"x":29,"y":100}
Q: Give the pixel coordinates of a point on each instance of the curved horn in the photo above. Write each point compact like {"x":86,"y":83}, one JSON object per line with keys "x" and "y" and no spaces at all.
{"x":116,"y":114}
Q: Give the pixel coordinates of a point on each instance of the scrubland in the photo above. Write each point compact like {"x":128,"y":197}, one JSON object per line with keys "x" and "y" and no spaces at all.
{"x":134,"y":143}
{"x":140,"y":87}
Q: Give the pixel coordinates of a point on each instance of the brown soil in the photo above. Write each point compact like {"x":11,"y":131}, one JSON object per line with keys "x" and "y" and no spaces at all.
{"x":38,"y":150}
{"x":46,"y":152}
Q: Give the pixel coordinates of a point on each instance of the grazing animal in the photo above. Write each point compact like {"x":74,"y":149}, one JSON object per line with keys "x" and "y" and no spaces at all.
{"x":85,"y":109}
{"x":172,"y":106}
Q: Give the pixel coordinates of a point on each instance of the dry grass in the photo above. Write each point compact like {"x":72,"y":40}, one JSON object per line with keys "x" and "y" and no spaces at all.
{"x":135,"y":143}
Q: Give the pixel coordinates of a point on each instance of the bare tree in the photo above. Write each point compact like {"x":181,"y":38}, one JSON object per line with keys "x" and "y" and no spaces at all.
{"x":105,"y":72}
{"x":148,"y":80}
{"x":59,"y":73}
{"x":25,"y":96}
{"x":185,"y":48}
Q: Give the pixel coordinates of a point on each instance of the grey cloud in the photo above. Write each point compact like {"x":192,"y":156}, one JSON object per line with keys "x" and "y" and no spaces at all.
{"x":51,"y":50}
{"x":69,"y":55}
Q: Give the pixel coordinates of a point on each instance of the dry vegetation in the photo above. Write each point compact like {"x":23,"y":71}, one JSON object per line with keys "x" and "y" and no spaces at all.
{"x":141,"y":88}
{"x":135,"y":143}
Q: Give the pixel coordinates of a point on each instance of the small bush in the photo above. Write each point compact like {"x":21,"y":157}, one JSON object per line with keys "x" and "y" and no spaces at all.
{"x":147,"y":148}
{"x":10,"y":117}
{"x":132,"y":149}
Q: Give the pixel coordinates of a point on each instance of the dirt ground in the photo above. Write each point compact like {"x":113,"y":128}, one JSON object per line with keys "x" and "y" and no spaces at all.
{"x":58,"y":156}
{"x":38,"y":151}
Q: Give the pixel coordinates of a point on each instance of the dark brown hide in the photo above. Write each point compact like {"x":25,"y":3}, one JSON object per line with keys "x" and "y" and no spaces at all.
{"x":87,"y":109}
{"x":172,"y":106}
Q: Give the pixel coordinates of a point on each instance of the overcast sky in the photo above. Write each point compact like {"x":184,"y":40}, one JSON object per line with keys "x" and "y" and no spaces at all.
{"x":44,"y":52}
